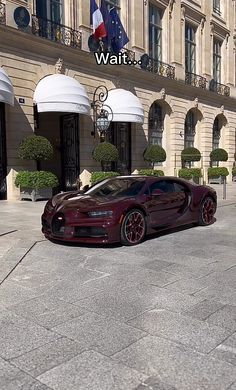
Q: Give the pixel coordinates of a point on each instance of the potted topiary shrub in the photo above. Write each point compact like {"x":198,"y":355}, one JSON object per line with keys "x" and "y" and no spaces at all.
{"x":154,"y":154}
{"x":217,"y":176}
{"x":105,"y":153}
{"x":37,"y":148}
{"x":36,"y":185}
{"x":193,"y":174}
{"x":151,"y":172}
{"x":189,"y":155}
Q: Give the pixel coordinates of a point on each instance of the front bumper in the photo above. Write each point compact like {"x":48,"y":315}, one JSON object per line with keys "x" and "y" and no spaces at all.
{"x":89,"y":230}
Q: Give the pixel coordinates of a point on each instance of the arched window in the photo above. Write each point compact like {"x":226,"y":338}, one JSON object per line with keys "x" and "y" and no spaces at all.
{"x":155,"y":124}
{"x":216,"y":134}
{"x":189,"y":130}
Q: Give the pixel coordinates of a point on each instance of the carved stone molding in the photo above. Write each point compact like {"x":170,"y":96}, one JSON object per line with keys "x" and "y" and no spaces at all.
{"x":196,"y":102}
{"x":183,"y":12}
{"x":171,"y":6}
{"x":222,"y":109}
{"x":202,"y":24}
{"x":227,"y":40}
{"x":59,"y":66}
{"x":163,"y":93}
{"x":212,"y":28}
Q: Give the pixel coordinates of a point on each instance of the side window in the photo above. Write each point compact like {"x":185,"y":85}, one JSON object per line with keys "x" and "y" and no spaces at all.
{"x":179,"y":187}
{"x":163,"y":186}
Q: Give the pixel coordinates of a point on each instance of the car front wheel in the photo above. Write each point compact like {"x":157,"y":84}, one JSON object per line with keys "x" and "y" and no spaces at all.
{"x":133,"y":228}
{"x":207,"y":211}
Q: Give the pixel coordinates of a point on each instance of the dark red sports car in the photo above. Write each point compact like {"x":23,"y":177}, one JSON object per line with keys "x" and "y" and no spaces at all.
{"x":126,"y":208}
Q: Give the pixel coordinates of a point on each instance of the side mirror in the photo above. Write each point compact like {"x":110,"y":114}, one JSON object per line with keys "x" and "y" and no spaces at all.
{"x":157,"y":192}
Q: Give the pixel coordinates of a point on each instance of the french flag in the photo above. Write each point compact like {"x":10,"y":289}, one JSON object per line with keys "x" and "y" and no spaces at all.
{"x":99,"y":29}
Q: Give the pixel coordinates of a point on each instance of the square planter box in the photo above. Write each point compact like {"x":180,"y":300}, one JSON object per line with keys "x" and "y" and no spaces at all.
{"x":216,"y":180}
{"x":35,"y":194}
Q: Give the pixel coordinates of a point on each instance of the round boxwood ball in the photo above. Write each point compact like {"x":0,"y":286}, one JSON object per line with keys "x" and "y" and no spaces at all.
{"x":219,"y":155}
{"x":105,"y":152}
{"x":154,"y":154}
{"x":35,"y":147}
{"x":191,"y":154}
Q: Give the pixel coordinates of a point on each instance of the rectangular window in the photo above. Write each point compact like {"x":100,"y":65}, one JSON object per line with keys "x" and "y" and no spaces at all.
{"x":216,"y":7}
{"x":155,"y":32}
{"x":190,"y":49}
{"x":217,"y":60}
{"x":50,"y":9}
{"x":113,"y":3}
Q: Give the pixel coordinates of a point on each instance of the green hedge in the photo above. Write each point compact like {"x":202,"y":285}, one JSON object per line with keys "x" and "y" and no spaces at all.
{"x":188,"y":173}
{"x":151,"y":172}
{"x":219,"y":171}
{"x":234,"y":171}
{"x":35,"y":147}
{"x":99,"y":176}
{"x":190,"y":154}
{"x":219,"y":155}
{"x":36,"y":179}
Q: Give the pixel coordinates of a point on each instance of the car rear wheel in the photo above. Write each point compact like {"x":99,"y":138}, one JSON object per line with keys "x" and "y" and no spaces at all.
{"x":207,"y":211}
{"x":133,"y":228}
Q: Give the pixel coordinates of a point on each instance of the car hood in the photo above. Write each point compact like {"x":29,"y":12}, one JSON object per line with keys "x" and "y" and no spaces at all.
{"x":84,"y":203}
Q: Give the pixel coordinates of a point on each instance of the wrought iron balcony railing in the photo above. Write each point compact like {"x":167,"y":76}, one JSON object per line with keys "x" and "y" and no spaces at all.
{"x":195,"y":80}
{"x":130,"y":53}
{"x":221,"y":89}
{"x":160,"y":68}
{"x":56,"y":32}
{"x":2,"y":13}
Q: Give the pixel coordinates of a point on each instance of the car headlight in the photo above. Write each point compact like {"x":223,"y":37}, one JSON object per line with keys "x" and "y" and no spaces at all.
{"x":100,"y":214}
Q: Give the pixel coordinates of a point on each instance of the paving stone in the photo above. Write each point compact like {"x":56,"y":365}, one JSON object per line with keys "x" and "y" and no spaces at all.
{"x":11,"y":378}
{"x":224,"y":294}
{"x":225,"y":317}
{"x":187,"y":286}
{"x":92,"y":331}
{"x":129,"y":303}
{"x":11,"y":293}
{"x":227,"y":350}
{"x":176,"y":365}
{"x":158,"y":265}
{"x":204,"y":309}
{"x":50,"y":355}
{"x":185,"y":330}
{"x":154,"y":383}
{"x":184,"y":271}
{"x":47,"y":310}
{"x":92,"y":371}
{"x":19,"y":335}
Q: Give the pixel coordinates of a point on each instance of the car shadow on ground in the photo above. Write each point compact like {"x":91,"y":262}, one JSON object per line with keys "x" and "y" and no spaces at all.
{"x":161,"y":232}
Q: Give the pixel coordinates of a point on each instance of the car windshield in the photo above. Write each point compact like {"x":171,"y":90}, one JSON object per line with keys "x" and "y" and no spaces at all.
{"x":117,"y":187}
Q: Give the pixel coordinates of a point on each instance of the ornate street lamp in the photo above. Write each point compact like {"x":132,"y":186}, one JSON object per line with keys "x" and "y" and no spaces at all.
{"x":102,"y":113}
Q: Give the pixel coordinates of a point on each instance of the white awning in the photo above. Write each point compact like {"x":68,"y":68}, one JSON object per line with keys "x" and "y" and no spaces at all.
{"x":126,"y":107}
{"x":6,"y":88}
{"x":60,"y":93}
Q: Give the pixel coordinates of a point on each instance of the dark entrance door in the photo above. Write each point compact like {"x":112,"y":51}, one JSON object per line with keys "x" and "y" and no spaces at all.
{"x":120,"y":136}
{"x":3,"y":157}
{"x":70,"y":160}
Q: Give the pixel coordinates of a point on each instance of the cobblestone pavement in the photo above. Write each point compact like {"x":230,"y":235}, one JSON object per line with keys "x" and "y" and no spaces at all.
{"x":160,"y":316}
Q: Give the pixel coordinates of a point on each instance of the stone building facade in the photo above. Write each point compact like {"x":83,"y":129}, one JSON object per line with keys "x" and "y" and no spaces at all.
{"x":187,"y":88}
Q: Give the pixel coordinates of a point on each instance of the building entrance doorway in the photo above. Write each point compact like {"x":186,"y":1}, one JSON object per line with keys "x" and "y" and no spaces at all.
{"x":3,"y":157}
{"x":120,"y":136}
{"x":70,"y":158}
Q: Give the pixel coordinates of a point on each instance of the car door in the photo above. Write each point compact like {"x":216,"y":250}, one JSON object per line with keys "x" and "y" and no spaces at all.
{"x":160,"y":202}
{"x":168,"y":201}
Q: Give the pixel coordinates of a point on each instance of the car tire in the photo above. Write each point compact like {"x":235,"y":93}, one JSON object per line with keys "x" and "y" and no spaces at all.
{"x":207,"y":211}
{"x":133,"y":228}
